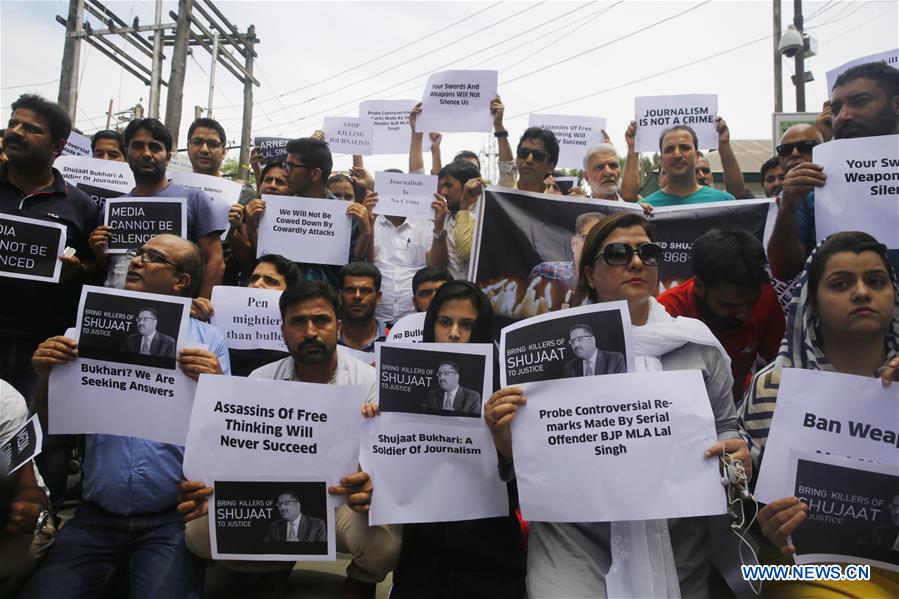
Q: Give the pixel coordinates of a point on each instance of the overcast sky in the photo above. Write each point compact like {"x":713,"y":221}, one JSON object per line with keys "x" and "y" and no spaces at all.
{"x":549,"y":56}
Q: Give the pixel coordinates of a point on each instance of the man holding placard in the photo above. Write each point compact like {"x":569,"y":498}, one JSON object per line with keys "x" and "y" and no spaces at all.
{"x":311,"y":327}
{"x":149,"y":146}
{"x":863,"y":104}
{"x":129,"y":483}
{"x":360,"y":292}
{"x":30,"y":187}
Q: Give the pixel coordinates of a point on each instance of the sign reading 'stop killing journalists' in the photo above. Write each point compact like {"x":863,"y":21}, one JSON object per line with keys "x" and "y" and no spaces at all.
{"x":135,"y":220}
{"x":125,"y":380}
{"x":30,"y":248}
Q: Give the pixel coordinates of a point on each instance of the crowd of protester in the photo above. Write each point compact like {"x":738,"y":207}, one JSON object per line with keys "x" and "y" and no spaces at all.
{"x":140,"y":527}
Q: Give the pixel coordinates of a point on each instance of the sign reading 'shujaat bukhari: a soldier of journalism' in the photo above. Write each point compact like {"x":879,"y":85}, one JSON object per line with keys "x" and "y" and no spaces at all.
{"x":30,"y":248}
{"x":431,"y":429}
{"x":135,"y":220}
{"x":126,"y":380}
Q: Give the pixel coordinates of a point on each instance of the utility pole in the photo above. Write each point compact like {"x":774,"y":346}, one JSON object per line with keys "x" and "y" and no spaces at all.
{"x":109,"y":115}
{"x":243,"y":170}
{"x":179,"y":65}
{"x":71,"y":58}
{"x":156,"y":65}
{"x":215,"y":58}
{"x":799,"y":78}
{"x":778,"y":61}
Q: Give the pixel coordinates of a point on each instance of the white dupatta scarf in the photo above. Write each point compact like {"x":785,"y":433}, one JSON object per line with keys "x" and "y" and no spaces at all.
{"x":642,"y":557}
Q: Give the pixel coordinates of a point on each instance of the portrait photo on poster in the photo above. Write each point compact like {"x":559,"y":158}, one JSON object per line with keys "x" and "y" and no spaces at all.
{"x":430,"y":382}
{"x":853,"y":510}
{"x":130,"y":330}
{"x":587,"y":341}
{"x":270,"y":519}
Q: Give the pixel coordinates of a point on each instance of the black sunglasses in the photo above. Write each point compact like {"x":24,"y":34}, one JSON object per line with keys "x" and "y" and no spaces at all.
{"x":620,"y":254}
{"x":804,"y":147}
{"x":539,"y":155}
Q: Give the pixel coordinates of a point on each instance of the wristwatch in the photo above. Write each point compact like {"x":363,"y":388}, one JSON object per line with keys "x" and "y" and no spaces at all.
{"x":43,"y":519}
{"x":441,"y":235}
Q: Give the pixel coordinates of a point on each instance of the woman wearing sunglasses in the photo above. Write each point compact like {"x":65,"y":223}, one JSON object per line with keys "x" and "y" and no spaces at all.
{"x":650,"y":558}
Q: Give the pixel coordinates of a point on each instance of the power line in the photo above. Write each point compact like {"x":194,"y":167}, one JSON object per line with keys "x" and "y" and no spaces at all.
{"x":841,"y":17}
{"x":30,"y":84}
{"x":865,"y":22}
{"x":384,"y":55}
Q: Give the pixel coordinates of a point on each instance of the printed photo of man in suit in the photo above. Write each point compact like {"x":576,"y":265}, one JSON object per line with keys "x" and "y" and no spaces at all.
{"x":147,"y":340}
{"x":590,"y":361}
{"x":450,"y":396}
{"x":295,"y":526}
{"x":887,"y":535}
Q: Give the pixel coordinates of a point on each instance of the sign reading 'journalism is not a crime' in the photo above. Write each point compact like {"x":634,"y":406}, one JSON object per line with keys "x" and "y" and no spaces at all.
{"x":30,"y":248}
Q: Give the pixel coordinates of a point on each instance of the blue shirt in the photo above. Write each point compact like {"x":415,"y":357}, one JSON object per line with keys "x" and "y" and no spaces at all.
{"x":702,"y":196}
{"x":128,"y":475}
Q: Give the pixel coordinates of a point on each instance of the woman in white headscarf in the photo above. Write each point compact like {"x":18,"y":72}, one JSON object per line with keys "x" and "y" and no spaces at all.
{"x":649,"y":558}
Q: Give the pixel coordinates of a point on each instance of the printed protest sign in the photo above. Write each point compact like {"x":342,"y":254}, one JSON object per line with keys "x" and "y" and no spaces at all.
{"x":575,"y":135}
{"x":77,"y":145}
{"x":587,"y":341}
{"x":125,"y":380}
{"x":458,"y":101}
{"x":30,"y":248}
{"x":575,"y":432}
{"x":265,"y":519}
{"x":430,"y":428}
{"x":22,"y":447}
{"x":813,"y":413}
{"x":656,"y":114}
{"x":853,"y":510}
{"x":100,"y":179}
{"x":135,"y":220}
{"x":408,"y":329}
{"x":271,"y":149}
{"x":862,"y":188}
{"x":249,"y":317}
{"x":405,"y":195}
{"x":390,"y":124}
{"x":221,"y":192}
{"x":250,"y":425}
{"x":890,"y":57}
{"x":348,"y":135}
{"x":527,"y":248}
{"x":310,"y":230}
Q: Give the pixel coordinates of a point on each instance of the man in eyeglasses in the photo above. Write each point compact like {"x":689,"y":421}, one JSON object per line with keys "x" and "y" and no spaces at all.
{"x":589,"y":360}
{"x":149,"y":147}
{"x":206,"y":149}
{"x":864,"y":103}
{"x":128,"y":514}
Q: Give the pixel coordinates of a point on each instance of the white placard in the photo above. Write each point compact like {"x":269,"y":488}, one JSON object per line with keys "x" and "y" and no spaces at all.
{"x":112,"y":387}
{"x":365,"y":357}
{"x":862,"y":188}
{"x":390,"y":124}
{"x":77,"y":145}
{"x":242,"y":426}
{"x":645,"y":431}
{"x":248,"y":317}
{"x":890,"y":57}
{"x":458,"y":101}
{"x":656,"y":114}
{"x":400,"y":194}
{"x":559,"y":344}
{"x":348,"y":135}
{"x":249,"y":515}
{"x":311,"y":230}
{"x":431,"y":464}
{"x":814,"y":413}
{"x":221,"y":191}
{"x":86,"y":172}
{"x":135,"y":220}
{"x":408,"y":329}
{"x":575,"y":134}
{"x":30,"y":248}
